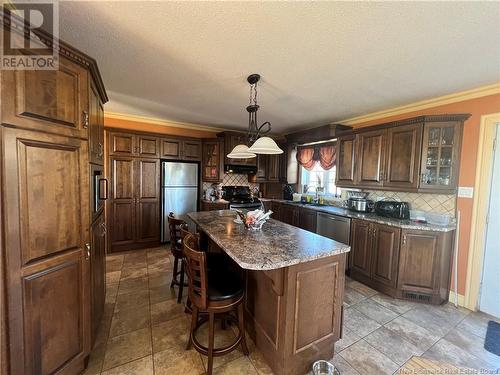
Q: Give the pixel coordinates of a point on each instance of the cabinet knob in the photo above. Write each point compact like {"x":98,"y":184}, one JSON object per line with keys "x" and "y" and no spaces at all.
{"x":87,"y":251}
{"x":85,"y":119}
{"x":404,"y":239}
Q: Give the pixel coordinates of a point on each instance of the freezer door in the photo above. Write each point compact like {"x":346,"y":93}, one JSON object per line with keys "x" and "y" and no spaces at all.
{"x":180,"y":201}
{"x":179,"y":174}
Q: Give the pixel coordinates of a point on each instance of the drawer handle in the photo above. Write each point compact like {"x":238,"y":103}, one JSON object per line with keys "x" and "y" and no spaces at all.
{"x":87,"y":251}
{"x":85,"y":119}
{"x":404,"y":239}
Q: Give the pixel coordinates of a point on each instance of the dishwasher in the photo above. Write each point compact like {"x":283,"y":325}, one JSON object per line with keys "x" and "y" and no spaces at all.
{"x":336,"y":227}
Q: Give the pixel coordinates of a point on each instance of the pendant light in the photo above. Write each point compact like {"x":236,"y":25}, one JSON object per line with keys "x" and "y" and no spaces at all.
{"x":261,"y":145}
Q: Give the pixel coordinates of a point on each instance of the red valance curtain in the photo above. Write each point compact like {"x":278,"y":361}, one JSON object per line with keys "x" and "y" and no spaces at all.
{"x":308,"y":156}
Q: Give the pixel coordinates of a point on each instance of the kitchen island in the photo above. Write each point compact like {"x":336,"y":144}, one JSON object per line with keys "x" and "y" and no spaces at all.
{"x":294,"y":287}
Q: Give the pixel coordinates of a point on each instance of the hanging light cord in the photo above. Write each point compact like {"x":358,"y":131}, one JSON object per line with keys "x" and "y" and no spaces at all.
{"x":255,"y":132}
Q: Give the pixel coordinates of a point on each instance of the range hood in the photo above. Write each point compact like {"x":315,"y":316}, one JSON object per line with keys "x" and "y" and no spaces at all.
{"x":240,"y":169}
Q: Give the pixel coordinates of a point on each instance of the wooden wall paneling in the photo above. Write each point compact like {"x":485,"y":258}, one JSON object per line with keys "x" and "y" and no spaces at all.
{"x":48,"y":178}
{"x":49,"y":100}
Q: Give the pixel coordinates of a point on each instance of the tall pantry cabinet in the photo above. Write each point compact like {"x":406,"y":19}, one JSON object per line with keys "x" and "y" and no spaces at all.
{"x":51,"y":232}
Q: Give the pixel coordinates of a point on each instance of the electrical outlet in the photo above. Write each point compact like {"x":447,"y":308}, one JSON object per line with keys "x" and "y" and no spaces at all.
{"x":465,"y":191}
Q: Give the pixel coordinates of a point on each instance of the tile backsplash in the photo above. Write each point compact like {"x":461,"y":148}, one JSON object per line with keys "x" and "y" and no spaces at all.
{"x":438,"y":203}
{"x":233,"y":179}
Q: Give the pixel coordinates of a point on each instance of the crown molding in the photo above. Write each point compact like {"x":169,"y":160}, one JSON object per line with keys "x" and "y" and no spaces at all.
{"x":162,"y":122}
{"x":425,"y":104}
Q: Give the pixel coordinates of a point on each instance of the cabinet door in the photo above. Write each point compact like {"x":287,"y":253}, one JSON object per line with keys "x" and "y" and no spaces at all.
{"x":96,"y":127}
{"x":273,"y":168}
{"x":370,"y":158}
{"x":307,"y":219}
{"x":97,"y":271}
{"x":47,"y":100}
{"x":45,"y":196}
{"x":148,"y":200}
{"x":440,"y":156}
{"x":346,"y":154}
{"x":171,"y":148}
{"x":289,"y":214}
{"x":211,"y":161}
{"x":148,"y":146}
{"x":418,"y":266}
{"x":361,"y":240}
{"x":122,"y":144}
{"x":276,"y":208}
{"x":122,"y":217}
{"x":191,"y":150}
{"x":385,"y":254}
{"x":261,"y":175}
{"x":403,"y":156}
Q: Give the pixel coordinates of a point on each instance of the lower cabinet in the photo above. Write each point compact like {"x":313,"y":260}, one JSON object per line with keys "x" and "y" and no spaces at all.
{"x":307,"y":219}
{"x":298,"y":216}
{"x":213,"y":206}
{"x":361,"y":241}
{"x":97,"y":272}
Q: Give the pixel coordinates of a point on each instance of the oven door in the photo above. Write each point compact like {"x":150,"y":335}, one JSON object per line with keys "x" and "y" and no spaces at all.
{"x":99,"y":191}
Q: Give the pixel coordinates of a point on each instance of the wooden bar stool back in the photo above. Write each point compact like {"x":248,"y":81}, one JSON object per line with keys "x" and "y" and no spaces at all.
{"x":213,"y":295}
{"x":176,"y":249}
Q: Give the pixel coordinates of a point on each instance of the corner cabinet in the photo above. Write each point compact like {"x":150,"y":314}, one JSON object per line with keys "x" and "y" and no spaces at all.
{"x":420,"y":154}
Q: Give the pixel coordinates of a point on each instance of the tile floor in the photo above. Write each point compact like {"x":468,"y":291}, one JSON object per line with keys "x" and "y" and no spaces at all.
{"x":144,"y":330}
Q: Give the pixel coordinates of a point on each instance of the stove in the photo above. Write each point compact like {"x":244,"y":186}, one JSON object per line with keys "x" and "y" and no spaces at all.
{"x":240,"y":197}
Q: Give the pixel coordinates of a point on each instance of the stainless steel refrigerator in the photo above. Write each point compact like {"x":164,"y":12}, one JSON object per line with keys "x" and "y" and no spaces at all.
{"x":179,"y":192}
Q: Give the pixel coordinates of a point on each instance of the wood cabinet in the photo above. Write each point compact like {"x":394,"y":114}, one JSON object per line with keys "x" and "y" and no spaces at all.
{"x":47,"y":280}
{"x":96,"y":126}
{"x":214,"y":206}
{"x":262,"y":168}
{"x":275,"y":171}
{"x":346,"y":157}
{"x":97,"y":272}
{"x":306,"y":219}
{"x":301,"y":217}
{"x":212,"y":160}
{"x":375,"y":254}
{"x":231,"y":139}
{"x":130,"y":144}
{"x":370,"y":158}
{"x":135,"y":198}
{"x":417,"y":154}
{"x":425,"y":266}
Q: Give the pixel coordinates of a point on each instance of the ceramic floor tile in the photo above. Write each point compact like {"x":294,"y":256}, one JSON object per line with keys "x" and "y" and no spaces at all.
{"x":476,"y":323}
{"x":418,"y":336}
{"x":113,"y":277}
{"x":445,"y":351}
{"x":362,"y":288}
{"x":96,"y":359}
{"x":472,"y":344}
{"x":133,"y":273}
{"x":162,"y":293}
{"x":397,"y":305}
{"x":352,"y":296}
{"x":392,"y":345}
{"x":429,"y":320}
{"x":343,"y":366}
{"x":114,"y":265}
{"x":222,"y":338}
{"x":133,"y":285}
{"x":172,"y":333}
{"x":166,"y":310}
{"x":349,"y":337}
{"x":128,"y":347}
{"x":129,"y":320}
{"x":178,"y":361}
{"x":358,"y":322}
{"x":365,"y":359}
{"x":131,"y":300}
{"x":449,"y":312}
{"x":143,"y":366}
{"x":158,"y":279}
{"x":375,"y":311}
{"x":241,"y":366}
{"x":259,"y":362}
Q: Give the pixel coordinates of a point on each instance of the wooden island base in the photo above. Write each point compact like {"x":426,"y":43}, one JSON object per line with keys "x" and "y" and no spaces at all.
{"x":294,"y":314}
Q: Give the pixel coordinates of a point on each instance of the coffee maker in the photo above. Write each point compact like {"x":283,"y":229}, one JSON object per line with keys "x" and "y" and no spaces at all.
{"x":287,"y":192}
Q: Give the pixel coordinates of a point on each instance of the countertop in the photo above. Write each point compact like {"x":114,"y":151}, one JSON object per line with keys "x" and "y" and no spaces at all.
{"x":276,"y":245}
{"x":217,"y":201}
{"x":404,"y":224}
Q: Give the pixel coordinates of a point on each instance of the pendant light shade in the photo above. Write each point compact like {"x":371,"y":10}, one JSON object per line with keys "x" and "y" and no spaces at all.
{"x":241,"y":152}
{"x":265,"y":145}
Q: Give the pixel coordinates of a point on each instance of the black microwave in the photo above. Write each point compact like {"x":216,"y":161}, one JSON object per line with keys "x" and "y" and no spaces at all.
{"x":393,"y":209}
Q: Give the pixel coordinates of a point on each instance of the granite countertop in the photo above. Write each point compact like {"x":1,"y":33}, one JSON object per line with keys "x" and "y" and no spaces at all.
{"x":276,"y":245}
{"x":404,"y":224}
{"x":217,"y":201}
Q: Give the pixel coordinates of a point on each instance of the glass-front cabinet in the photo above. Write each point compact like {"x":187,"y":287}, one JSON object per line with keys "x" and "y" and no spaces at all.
{"x":440,"y":155}
{"x":211,"y":160}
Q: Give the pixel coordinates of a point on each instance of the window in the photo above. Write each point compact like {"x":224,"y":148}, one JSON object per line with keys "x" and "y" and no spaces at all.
{"x":318,"y":177}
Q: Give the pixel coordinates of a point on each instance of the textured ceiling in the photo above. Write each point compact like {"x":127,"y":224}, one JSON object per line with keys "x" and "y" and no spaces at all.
{"x":320,"y":61}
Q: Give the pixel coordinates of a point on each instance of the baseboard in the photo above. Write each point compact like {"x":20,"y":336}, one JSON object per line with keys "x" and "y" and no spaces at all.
{"x":461,"y":299}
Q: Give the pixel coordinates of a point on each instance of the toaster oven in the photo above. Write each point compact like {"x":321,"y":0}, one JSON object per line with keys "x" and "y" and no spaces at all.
{"x":393,"y":209}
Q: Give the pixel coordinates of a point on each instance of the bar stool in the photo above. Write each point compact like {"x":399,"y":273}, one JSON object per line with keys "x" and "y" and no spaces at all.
{"x":176,"y":250}
{"x":212,"y":293}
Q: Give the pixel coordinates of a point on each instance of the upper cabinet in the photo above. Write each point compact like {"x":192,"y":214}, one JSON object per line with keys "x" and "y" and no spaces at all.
{"x":150,"y":146}
{"x":441,"y":148}
{"x":48,"y":100}
{"x":232,"y":139}
{"x":418,"y":154}
{"x":212,"y":160}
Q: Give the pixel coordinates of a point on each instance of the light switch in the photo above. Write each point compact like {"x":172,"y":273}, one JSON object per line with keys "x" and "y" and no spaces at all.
{"x":465,"y":191}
